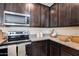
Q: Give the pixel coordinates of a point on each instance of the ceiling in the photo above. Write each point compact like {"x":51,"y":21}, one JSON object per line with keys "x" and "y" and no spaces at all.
{"x":48,"y":4}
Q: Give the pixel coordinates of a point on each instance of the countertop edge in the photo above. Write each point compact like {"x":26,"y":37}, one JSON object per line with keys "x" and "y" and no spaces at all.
{"x":68,"y":44}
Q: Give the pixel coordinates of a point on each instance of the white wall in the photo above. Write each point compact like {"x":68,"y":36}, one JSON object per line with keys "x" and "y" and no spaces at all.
{"x":61,"y":30}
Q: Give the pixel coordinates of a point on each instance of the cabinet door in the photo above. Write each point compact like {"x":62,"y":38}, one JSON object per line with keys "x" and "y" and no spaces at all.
{"x":39,"y":48}
{"x":64,"y":14}
{"x":51,"y":51}
{"x":54,"y":15}
{"x":16,"y":7}
{"x":43,"y":50}
{"x":63,"y":53}
{"x":29,"y":50}
{"x":67,"y":51}
{"x":75,"y":14}
{"x":36,"y":51}
{"x":44,"y":16}
{"x":35,"y":15}
{"x":1,"y":13}
{"x":54,"y":49}
{"x":39,"y":51}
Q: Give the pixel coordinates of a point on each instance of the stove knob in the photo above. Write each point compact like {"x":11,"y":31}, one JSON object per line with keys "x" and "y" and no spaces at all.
{"x":10,"y":33}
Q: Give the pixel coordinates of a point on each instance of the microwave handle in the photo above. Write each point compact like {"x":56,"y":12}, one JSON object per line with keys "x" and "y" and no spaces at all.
{"x":27,"y":20}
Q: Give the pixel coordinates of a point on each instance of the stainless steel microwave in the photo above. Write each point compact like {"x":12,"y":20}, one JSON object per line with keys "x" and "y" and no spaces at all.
{"x":13,"y":18}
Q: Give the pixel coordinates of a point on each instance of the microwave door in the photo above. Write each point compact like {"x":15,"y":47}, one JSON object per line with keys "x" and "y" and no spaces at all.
{"x":16,"y":19}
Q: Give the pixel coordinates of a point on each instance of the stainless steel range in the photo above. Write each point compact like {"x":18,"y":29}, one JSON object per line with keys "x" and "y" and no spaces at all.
{"x":18,"y":41}
{"x":17,"y":35}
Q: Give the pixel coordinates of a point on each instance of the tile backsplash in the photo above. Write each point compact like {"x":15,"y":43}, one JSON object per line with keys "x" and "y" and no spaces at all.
{"x":59,"y":30}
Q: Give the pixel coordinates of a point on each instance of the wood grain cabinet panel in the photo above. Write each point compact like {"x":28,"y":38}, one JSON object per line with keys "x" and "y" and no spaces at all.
{"x":60,"y":15}
{"x":1,"y":12}
{"x":36,"y":51}
{"x":64,"y":14}
{"x":54,"y":15}
{"x":17,"y":7}
{"x":54,"y":49}
{"x":75,"y":14}
{"x":35,"y":15}
{"x":67,"y":51}
{"x":44,"y":16}
{"x":39,"y":15}
{"x":29,"y":50}
{"x":50,"y":48}
{"x":38,"y":48}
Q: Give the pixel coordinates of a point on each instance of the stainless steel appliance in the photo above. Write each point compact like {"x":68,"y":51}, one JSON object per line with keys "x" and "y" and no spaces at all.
{"x":17,"y":35}
{"x":18,"y":40}
{"x":18,"y":19}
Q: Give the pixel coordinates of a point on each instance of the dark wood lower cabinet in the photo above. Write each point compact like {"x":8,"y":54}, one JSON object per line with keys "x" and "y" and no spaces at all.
{"x":63,"y":53}
{"x":38,"y":48}
{"x":49,"y":48}
{"x":54,"y":49}
{"x":67,"y":51}
{"x":29,"y":50}
{"x":36,"y":51}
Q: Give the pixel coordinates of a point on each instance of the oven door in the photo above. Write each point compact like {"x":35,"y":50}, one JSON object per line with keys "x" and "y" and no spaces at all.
{"x":18,"y":37}
{"x":13,"y":38}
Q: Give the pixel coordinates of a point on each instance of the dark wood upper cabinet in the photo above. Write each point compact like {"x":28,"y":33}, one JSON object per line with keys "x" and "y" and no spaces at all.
{"x":64,"y":14}
{"x":16,"y":7}
{"x":39,"y":15}
{"x":44,"y":16}
{"x":75,"y":14}
{"x":1,"y":12}
{"x":35,"y":15}
{"x":60,"y":15}
{"x":54,"y":15}
{"x":1,"y":6}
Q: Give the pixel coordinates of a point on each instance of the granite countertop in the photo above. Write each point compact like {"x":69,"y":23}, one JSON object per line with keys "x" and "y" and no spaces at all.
{"x":47,"y":37}
{"x":2,"y":41}
{"x":69,"y":44}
